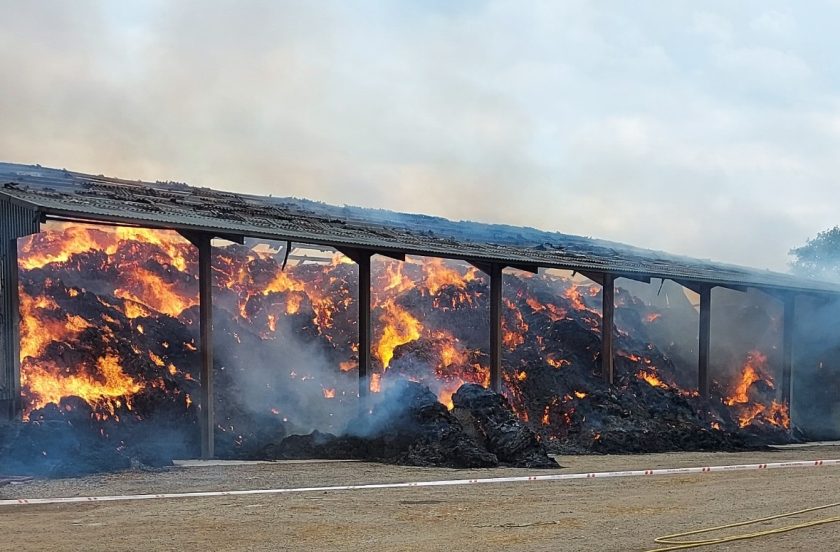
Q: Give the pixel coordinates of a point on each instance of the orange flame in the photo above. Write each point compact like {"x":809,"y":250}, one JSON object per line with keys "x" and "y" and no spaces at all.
{"x":515,"y":336}
{"x":439,"y":275}
{"x":348,"y":365}
{"x":376,"y":382}
{"x":750,"y":374}
{"x":400,"y":328}
{"x":652,"y":379}
{"x":47,"y":384}
{"x":572,"y":293}
{"x":39,"y":328}
{"x":396,"y":281}
{"x":753,"y":371}
{"x":150,"y":290}
{"x":557,"y":362}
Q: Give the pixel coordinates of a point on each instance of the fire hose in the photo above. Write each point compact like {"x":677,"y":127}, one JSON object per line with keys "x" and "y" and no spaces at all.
{"x":421,"y":484}
{"x":676,"y":543}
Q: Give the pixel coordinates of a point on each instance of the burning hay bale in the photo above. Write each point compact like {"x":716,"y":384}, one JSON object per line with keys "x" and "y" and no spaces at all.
{"x":109,"y":348}
{"x":642,"y":418}
{"x":407,"y":425}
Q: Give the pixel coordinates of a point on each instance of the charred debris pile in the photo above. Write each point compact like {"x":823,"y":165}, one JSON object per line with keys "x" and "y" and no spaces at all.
{"x":408,"y":425}
{"x":109,"y":362}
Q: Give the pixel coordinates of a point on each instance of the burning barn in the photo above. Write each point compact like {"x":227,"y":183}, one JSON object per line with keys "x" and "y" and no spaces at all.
{"x":151,"y":320}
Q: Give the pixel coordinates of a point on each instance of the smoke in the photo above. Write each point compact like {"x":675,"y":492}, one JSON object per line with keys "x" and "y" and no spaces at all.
{"x":676,"y":334}
{"x":752,"y":321}
{"x":283,"y":339}
{"x":259,"y":380}
{"x":743,"y":324}
{"x":388,"y":412}
{"x":705,"y":130}
{"x":816,"y":363}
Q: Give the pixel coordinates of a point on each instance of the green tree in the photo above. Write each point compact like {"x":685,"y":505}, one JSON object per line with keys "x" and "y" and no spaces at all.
{"x":819,"y":257}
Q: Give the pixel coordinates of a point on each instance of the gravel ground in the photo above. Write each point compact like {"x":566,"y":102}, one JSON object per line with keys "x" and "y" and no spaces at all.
{"x":600,"y":514}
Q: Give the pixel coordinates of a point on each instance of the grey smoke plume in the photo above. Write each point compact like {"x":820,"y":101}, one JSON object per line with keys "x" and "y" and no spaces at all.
{"x":700,"y":129}
{"x":289,"y":376}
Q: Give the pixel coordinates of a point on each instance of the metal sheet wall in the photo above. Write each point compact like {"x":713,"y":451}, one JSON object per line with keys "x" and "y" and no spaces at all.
{"x":15,"y":222}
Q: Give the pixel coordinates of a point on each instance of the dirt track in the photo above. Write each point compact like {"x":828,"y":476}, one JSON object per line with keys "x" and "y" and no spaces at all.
{"x":606,"y":514}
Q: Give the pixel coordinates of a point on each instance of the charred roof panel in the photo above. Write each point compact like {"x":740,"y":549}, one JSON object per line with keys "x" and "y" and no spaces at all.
{"x":173,"y":205}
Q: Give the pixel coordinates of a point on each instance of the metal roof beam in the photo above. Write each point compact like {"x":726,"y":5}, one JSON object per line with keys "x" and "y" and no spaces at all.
{"x":697,"y":286}
{"x":533,"y":269}
{"x":196,"y":238}
{"x":174,"y":206}
{"x":597,"y":277}
{"x":635,"y":277}
{"x":356,"y":254}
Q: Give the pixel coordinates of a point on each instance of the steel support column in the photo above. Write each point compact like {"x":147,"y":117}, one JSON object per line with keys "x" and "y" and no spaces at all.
{"x":704,"y":341}
{"x":787,"y":347}
{"x":607,"y":325}
{"x":10,"y":322}
{"x":363,"y":260}
{"x":205,"y":294}
{"x":495,"y":273}
{"x":15,"y":222}
{"x":207,"y":419}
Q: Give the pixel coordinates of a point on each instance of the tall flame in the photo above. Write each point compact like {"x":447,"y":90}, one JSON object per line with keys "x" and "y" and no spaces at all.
{"x":45,"y":383}
{"x":400,"y":327}
{"x":753,"y":372}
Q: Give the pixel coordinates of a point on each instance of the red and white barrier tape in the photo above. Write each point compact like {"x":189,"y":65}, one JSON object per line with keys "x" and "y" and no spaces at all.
{"x":440,"y":483}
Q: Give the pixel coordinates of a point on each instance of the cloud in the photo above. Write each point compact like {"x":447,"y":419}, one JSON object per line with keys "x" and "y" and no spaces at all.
{"x":710,"y":132}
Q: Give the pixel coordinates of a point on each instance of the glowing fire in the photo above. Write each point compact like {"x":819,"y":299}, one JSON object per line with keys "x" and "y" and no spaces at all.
{"x":557,"y":362}
{"x":66,"y":240}
{"x":153,"y":276}
{"x":445,"y":397}
{"x":376,"y":382}
{"x":574,"y":296}
{"x":45,"y":384}
{"x":348,"y":365}
{"x":554,"y":312}
{"x":293,"y":304}
{"x":750,"y":374}
{"x":42,"y":323}
{"x":397,"y":282}
{"x":151,"y":291}
{"x":651,"y":378}
{"x":753,"y":372}
{"x":439,"y":275}
{"x":513,"y":326}
{"x":400,"y":327}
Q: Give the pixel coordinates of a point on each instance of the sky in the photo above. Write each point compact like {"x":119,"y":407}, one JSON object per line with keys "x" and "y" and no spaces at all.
{"x":704,"y":128}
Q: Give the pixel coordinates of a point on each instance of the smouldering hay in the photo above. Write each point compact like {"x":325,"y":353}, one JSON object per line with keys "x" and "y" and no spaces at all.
{"x":109,"y":352}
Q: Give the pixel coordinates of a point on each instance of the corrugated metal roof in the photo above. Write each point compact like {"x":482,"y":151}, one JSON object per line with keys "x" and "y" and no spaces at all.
{"x":178,"y":206}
